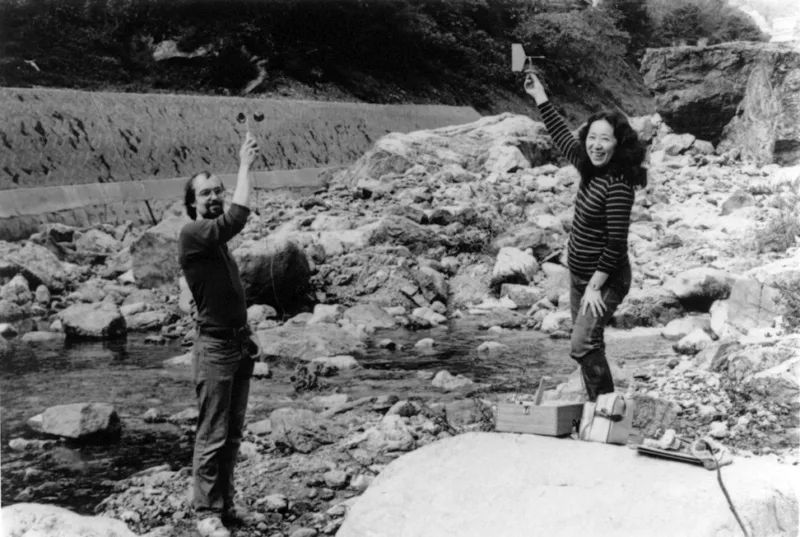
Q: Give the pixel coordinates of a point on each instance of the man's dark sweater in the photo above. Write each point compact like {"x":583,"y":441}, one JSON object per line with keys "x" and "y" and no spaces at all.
{"x":211,"y":272}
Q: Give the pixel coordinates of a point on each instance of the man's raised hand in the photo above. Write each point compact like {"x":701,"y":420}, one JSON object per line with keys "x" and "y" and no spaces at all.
{"x":248,"y":151}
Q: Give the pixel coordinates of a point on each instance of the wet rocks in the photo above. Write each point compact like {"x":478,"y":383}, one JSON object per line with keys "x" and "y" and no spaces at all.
{"x":81,"y":421}
{"x":448,"y":382}
{"x":306,"y":342}
{"x":93,"y":321}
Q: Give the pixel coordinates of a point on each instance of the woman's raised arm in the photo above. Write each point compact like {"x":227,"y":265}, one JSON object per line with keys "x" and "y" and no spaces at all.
{"x":555,"y":124}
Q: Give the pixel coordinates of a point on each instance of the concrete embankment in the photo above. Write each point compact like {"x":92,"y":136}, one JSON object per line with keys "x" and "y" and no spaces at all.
{"x":24,"y":210}
{"x":59,"y":138}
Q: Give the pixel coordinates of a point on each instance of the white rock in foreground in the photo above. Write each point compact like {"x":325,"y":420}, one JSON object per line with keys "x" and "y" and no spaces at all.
{"x":39,"y":520}
{"x":480,"y":484}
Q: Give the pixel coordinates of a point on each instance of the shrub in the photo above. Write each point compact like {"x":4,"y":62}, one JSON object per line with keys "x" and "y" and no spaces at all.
{"x":781,"y":231}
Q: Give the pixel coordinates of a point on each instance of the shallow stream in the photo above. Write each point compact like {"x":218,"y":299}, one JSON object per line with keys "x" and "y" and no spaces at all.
{"x":130,"y":375}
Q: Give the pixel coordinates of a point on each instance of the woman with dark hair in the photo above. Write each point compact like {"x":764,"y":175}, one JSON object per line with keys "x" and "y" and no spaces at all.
{"x":608,"y":156}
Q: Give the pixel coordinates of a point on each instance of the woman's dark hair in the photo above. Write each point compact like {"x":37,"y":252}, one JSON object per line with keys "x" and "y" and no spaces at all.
{"x":189,"y":196}
{"x":628,"y":155}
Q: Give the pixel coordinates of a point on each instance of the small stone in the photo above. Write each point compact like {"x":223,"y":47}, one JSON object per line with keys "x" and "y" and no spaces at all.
{"x":274,"y":502}
{"x":304,"y":532}
{"x":425,"y":375}
{"x":332,"y":527}
{"x":361,"y":482}
{"x":326,"y":494}
{"x":384,"y":402}
{"x":131,"y":516}
{"x":426,"y":343}
{"x":673,"y":362}
{"x":404,"y":409}
{"x":261,"y":370}
{"x":387,"y":344}
{"x":719,"y":429}
{"x":337,"y":510}
{"x":335,"y":479}
{"x":153,"y":416}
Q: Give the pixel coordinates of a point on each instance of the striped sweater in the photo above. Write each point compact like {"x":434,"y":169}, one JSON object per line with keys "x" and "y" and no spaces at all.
{"x":599,"y":237}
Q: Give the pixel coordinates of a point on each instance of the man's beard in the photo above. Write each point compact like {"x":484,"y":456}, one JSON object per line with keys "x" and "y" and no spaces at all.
{"x":213,"y":210}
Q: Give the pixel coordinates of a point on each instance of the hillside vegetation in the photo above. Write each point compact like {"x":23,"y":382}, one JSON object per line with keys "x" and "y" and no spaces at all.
{"x":379,"y":51}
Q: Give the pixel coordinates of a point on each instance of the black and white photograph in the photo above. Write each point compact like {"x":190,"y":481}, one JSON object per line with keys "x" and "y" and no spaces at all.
{"x":399,"y":268}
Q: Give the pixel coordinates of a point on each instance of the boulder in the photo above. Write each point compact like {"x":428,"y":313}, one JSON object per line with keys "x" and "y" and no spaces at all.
{"x":17,"y":291}
{"x":38,"y":264}
{"x":42,"y":336}
{"x":778,"y":384}
{"x":766,"y":126}
{"x":392,"y":433}
{"x":479,"y":484}
{"x":700,"y":90}
{"x":154,"y":255}
{"x":523,"y":296}
{"x":95,"y":241}
{"x":93,"y":321}
{"x":496,"y":143}
{"x":750,"y":305}
{"x":275,"y":271}
{"x":370,"y":315}
{"x":296,"y":429}
{"x":698,"y":288}
{"x":693,"y":342}
{"x":470,"y":285}
{"x":306,"y":342}
{"x":40,"y":520}
{"x":400,"y":231}
{"x":148,"y":320}
{"x":678,"y":328}
{"x":737,"y":200}
{"x":446,"y":381}
{"x":514,"y":266}
{"x":647,"y":307}
{"x":542,"y":242}
{"x":10,"y":311}
{"x":81,"y":420}
{"x":432,"y":284}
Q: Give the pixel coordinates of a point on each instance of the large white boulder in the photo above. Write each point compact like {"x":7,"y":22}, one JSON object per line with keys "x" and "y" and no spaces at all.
{"x":40,"y":520}
{"x":481,"y":484}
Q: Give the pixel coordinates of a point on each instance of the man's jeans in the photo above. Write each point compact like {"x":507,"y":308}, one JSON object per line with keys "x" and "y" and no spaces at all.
{"x":588,"y":347}
{"x":221,"y":370}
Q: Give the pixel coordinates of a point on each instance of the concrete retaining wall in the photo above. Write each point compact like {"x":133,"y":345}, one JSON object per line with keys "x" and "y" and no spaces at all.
{"x":24,"y":210}
{"x":82,"y":158}
{"x":64,"y":137}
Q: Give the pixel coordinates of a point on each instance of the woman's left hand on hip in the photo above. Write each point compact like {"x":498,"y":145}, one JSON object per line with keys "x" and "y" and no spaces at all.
{"x":593,"y":302}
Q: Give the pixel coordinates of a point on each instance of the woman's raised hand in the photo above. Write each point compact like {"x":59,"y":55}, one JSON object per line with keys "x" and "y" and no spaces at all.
{"x":534,"y":88}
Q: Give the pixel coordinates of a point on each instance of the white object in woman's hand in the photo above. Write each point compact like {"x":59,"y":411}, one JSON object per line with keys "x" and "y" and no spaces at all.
{"x":534,"y":88}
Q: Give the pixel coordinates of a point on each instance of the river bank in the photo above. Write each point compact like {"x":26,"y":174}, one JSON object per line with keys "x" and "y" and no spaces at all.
{"x":400,"y":302}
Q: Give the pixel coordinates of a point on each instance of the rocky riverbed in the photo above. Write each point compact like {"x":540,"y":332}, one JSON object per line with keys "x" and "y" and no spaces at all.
{"x":462,"y":226}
